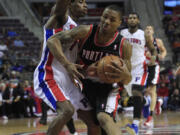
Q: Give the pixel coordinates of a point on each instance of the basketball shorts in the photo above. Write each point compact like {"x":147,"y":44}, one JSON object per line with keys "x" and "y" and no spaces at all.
{"x":59,"y":89}
{"x":101,"y":96}
{"x":138,"y":82}
{"x":153,"y":74}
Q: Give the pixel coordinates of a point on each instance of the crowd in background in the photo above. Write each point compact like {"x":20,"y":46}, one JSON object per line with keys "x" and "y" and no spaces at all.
{"x":171,"y":26}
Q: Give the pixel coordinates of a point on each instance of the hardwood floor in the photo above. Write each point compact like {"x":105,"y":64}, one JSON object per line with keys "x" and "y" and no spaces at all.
{"x":168,"y":123}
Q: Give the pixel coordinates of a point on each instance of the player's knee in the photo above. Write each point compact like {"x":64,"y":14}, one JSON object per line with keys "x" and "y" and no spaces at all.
{"x":69,"y":111}
{"x":102,"y":118}
{"x":65,"y":109}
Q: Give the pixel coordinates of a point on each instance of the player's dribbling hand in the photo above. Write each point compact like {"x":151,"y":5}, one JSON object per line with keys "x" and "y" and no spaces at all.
{"x":118,"y":71}
{"x":74,"y":74}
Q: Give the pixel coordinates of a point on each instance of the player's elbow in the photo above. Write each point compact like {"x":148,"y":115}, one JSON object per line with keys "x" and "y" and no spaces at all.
{"x":51,"y":42}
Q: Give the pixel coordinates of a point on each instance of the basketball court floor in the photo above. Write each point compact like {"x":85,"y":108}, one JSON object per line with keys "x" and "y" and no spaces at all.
{"x":168,"y":123}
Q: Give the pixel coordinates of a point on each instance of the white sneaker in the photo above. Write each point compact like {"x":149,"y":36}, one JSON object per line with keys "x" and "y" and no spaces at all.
{"x":75,"y":133}
{"x":5,"y":117}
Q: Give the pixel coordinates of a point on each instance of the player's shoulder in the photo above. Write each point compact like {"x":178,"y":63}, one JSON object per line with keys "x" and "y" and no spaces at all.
{"x":70,"y":21}
{"x":140,"y":31}
{"x":124,"y":30}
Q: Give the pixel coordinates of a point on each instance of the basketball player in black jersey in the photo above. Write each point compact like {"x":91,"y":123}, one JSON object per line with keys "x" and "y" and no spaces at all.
{"x":96,"y":42}
{"x":153,"y":77}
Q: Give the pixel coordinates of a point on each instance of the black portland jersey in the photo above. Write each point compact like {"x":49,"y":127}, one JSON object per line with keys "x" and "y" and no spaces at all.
{"x":91,"y":51}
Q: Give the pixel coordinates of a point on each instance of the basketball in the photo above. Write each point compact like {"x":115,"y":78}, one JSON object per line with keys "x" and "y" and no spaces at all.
{"x":103,"y":67}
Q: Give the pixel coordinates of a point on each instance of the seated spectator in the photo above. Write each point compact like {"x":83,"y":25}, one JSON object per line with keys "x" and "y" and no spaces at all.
{"x":17,"y":67}
{"x":1,"y":55}
{"x":11,"y":33}
{"x":14,"y":80}
{"x":163,"y":92}
{"x":3,"y":46}
{"x":17,"y":103}
{"x":164,"y":78}
{"x":7,"y":101}
{"x":2,"y":33}
{"x":174,"y":100}
{"x":5,"y":75}
{"x":18,"y":42}
{"x":170,"y":32}
{"x":176,"y":49}
{"x":28,"y":99}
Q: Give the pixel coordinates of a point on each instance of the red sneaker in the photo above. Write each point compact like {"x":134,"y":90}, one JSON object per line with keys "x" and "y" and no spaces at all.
{"x":149,"y":123}
{"x":158,"y":108}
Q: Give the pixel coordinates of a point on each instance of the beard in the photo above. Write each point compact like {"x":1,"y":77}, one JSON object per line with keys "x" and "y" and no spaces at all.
{"x":133,"y":26}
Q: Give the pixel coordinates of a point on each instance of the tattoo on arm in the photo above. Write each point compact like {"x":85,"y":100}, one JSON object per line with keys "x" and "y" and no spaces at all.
{"x":62,"y":40}
{"x":68,"y":37}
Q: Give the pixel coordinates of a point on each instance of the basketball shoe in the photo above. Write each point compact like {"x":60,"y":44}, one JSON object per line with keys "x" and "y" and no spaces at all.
{"x":158,"y":108}
{"x":146,"y":108}
{"x":75,"y":133}
{"x":149,"y":123}
{"x":132,"y":129}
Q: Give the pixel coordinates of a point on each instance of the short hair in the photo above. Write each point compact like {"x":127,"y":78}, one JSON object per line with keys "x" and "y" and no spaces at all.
{"x":72,"y":1}
{"x":150,"y":26}
{"x":116,"y":8}
{"x":134,"y":13}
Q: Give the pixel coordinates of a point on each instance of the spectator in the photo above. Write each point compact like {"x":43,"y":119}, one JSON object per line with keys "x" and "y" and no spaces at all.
{"x":174,"y":100}
{"x":11,"y":33}
{"x":5,"y":75}
{"x":14,"y":80}
{"x":1,"y":56}
{"x":17,"y":67}
{"x":163,"y":92}
{"x":18,"y":42}
{"x":172,"y":87}
{"x":28,"y":98}
{"x":7,"y":101}
{"x":17,"y":104}
{"x":3,"y":46}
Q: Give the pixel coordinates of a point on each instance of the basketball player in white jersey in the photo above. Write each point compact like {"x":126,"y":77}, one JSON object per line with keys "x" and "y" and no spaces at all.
{"x":153,"y":78}
{"x":138,"y":39}
{"x":51,"y":79}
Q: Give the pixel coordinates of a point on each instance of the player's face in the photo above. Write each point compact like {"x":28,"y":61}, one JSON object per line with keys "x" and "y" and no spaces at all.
{"x":110,"y":21}
{"x":79,"y":7}
{"x":149,"y":29}
{"x":133,"y":21}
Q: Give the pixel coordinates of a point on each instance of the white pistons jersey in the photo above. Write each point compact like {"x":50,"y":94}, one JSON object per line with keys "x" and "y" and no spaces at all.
{"x":51,"y":80}
{"x":137,"y":40}
{"x":138,"y":60}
